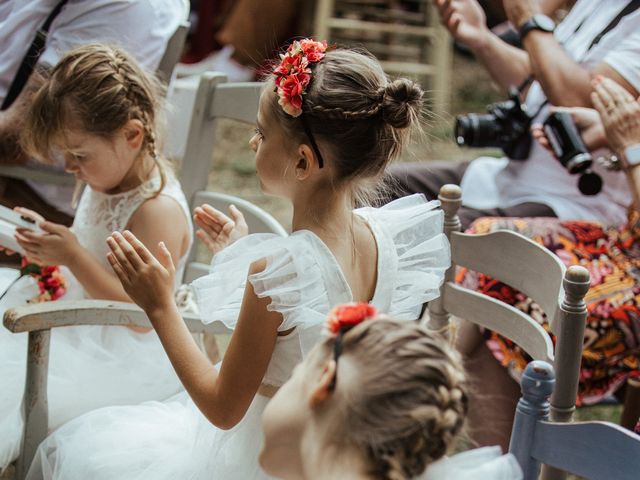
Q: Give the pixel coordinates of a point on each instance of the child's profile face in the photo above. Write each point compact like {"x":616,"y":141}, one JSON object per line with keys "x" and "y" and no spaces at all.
{"x":102,"y":163}
{"x":275,"y":156}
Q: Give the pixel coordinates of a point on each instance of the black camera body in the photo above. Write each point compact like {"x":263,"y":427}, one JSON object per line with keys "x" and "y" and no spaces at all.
{"x":506,"y":126}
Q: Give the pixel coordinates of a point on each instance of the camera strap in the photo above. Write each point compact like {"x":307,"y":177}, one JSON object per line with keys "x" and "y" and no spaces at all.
{"x":31,"y":58}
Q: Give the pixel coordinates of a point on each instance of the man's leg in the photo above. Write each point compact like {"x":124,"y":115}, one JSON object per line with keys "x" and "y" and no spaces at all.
{"x":423,"y":177}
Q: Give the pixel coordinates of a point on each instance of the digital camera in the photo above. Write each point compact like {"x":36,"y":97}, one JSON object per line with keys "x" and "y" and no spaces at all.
{"x":506,"y":126}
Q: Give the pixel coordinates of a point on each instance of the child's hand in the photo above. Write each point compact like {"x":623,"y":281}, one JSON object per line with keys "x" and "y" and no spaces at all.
{"x":147,"y":280}
{"x":218,"y":231}
{"x":56,"y":246}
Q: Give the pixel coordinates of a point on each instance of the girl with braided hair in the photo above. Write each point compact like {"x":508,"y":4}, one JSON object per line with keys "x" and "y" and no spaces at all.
{"x":378,"y":399}
{"x":96,"y":112}
{"x":328,"y":123}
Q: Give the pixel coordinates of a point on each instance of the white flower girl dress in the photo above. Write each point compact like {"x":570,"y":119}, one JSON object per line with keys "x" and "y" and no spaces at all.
{"x":172,"y":439}
{"x":90,"y":366}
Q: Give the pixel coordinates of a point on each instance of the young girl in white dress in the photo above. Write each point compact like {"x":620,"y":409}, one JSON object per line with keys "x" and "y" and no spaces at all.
{"x":378,"y":399}
{"x":328,"y":124}
{"x":98,"y":112}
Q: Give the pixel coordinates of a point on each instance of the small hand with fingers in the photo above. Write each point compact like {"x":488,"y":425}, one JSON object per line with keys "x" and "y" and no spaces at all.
{"x":217,"y":230}
{"x":55,"y":245}
{"x":148,"y":280}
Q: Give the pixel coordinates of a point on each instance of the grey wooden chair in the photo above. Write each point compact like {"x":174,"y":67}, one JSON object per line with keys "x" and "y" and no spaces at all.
{"x":593,"y":450}
{"x":214,"y":99}
{"x":539,"y":274}
{"x":46,"y":174}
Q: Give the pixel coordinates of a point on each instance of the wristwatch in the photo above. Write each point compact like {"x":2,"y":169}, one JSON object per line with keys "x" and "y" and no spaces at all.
{"x":537,"y":22}
{"x":632,"y":156}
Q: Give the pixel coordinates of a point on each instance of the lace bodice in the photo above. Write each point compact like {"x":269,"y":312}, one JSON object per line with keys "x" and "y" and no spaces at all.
{"x":100,"y":214}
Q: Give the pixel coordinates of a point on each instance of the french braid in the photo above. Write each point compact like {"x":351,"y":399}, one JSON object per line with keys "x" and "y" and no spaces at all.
{"x":410,"y":400}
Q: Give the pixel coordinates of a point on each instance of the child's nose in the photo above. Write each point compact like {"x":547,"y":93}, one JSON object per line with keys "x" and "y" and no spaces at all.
{"x":70,"y":166}
{"x":253,"y":143}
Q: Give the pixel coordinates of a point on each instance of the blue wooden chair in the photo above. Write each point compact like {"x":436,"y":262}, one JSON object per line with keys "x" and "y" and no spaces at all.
{"x":593,"y":450}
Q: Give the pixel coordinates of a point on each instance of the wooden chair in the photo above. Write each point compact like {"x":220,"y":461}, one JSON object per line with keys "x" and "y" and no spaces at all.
{"x":55,"y":176}
{"x":214,"y":99}
{"x":533,"y":270}
{"x":593,"y":450}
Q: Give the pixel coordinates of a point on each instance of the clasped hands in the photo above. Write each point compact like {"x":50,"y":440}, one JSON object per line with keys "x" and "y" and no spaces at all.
{"x":150,"y":280}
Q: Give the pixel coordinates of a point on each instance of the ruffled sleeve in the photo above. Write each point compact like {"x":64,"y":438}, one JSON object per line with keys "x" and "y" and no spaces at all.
{"x":413,"y":254}
{"x":293,"y":279}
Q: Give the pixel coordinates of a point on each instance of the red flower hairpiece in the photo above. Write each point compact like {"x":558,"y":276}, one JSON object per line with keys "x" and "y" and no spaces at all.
{"x":349,"y":315}
{"x":293,"y":74}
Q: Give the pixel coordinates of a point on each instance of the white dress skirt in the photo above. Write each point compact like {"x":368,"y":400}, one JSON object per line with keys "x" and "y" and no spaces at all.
{"x":89,"y":366}
{"x":172,"y":439}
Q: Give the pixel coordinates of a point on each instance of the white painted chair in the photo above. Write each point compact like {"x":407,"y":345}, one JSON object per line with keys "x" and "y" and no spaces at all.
{"x":591,"y":450}
{"x":214,"y":99}
{"x":539,"y":274}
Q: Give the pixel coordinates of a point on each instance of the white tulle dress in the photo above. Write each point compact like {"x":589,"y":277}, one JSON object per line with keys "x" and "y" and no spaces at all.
{"x":172,"y":439}
{"x":90,"y":366}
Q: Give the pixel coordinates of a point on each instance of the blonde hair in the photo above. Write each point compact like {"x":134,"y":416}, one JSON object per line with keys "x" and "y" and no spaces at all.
{"x":361,"y":116}
{"x":96,"y":89}
{"x":409,"y":399}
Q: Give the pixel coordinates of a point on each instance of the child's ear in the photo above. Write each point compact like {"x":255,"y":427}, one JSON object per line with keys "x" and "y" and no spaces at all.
{"x":307,"y":162}
{"x":321,"y":391}
{"x":134,"y":133}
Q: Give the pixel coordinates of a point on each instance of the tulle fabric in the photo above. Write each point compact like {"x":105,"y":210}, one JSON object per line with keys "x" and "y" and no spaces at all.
{"x":171,"y":439}
{"x":89,"y":367}
{"x":477,"y":464}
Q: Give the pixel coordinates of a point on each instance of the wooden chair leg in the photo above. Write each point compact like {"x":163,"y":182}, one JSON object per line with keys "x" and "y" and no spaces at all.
{"x":36,"y":408}
{"x":631,"y":407}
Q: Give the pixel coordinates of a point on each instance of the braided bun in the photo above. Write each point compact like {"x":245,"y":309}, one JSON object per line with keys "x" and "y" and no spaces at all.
{"x":401,"y":103}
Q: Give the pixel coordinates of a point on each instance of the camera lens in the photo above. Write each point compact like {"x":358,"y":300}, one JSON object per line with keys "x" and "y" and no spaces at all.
{"x":475,"y":130}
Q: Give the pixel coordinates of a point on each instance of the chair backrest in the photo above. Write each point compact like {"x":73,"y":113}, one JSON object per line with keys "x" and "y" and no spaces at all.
{"x":535,"y":271}
{"x":209,"y":98}
{"x":173,"y":51}
{"x":593,"y":450}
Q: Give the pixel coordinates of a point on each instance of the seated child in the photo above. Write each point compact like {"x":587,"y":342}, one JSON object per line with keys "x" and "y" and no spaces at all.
{"x":378,"y":399}
{"x":97,"y":111}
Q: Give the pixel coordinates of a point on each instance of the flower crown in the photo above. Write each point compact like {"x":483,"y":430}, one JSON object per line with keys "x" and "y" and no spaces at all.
{"x":51,"y":282}
{"x":347,"y":316}
{"x":293,"y":74}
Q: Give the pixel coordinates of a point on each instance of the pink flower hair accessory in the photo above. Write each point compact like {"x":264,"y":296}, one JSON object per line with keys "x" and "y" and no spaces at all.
{"x":293,"y":73}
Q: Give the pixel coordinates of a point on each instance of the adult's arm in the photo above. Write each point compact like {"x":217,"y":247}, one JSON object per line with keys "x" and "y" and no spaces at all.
{"x":12,"y":121}
{"x":563,"y":80}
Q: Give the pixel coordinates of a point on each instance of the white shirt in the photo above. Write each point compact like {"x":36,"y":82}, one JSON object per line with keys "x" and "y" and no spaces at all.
{"x":491,"y":182}
{"x":142,"y":27}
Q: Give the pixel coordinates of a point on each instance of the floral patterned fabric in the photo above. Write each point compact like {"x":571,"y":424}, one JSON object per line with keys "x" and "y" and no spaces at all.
{"x":612,"y":337}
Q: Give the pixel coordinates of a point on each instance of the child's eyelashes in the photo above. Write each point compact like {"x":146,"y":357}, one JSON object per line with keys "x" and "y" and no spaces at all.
{"x":258,"y":133}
